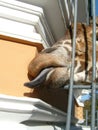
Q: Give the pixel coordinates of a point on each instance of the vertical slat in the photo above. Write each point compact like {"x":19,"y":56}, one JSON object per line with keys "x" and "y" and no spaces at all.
{"x":94,"y":67}
{"x":72,"y":71}
{"x":86,"y":118}
{"x":87,"y":11}
{"x":97,"y":118}
{"x":62,"y":13}
{"x":70,"y":8}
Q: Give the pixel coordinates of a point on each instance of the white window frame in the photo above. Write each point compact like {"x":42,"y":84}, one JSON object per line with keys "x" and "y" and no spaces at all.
{"x":29,"y":15}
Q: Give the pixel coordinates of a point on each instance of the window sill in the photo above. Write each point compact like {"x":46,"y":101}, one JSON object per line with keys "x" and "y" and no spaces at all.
{"x":20,"y":109}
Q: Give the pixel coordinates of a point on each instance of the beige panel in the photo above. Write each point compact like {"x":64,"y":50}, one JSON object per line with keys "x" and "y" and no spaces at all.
{"x":14,"y":59}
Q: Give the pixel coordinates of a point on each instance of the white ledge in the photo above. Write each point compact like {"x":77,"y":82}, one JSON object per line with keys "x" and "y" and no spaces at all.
{"x":20,"y":109}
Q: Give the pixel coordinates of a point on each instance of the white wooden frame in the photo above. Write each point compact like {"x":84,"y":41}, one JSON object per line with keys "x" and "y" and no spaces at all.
{"x":28,"y":15}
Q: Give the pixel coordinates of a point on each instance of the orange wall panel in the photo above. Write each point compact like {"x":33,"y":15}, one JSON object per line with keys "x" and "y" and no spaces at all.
{"x":14,"y":59}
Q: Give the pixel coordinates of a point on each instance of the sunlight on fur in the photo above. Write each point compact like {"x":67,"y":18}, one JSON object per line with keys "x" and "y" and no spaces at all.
{"x":51,"y":67}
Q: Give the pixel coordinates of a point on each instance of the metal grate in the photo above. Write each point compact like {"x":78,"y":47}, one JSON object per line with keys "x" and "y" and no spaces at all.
{"x":93,"y":84}
{"x":88,"y":118}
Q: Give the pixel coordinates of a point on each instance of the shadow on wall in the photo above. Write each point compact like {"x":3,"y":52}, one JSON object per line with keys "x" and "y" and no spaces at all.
{"x":56,"y":97}
{"x":53,"y":126}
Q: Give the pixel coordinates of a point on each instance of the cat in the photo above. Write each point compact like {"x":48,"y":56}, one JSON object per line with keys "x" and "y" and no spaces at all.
{"x":51,"y":67}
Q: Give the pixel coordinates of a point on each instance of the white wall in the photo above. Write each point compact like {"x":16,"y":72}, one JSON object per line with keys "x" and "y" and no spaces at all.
{"x":54,"y":17}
